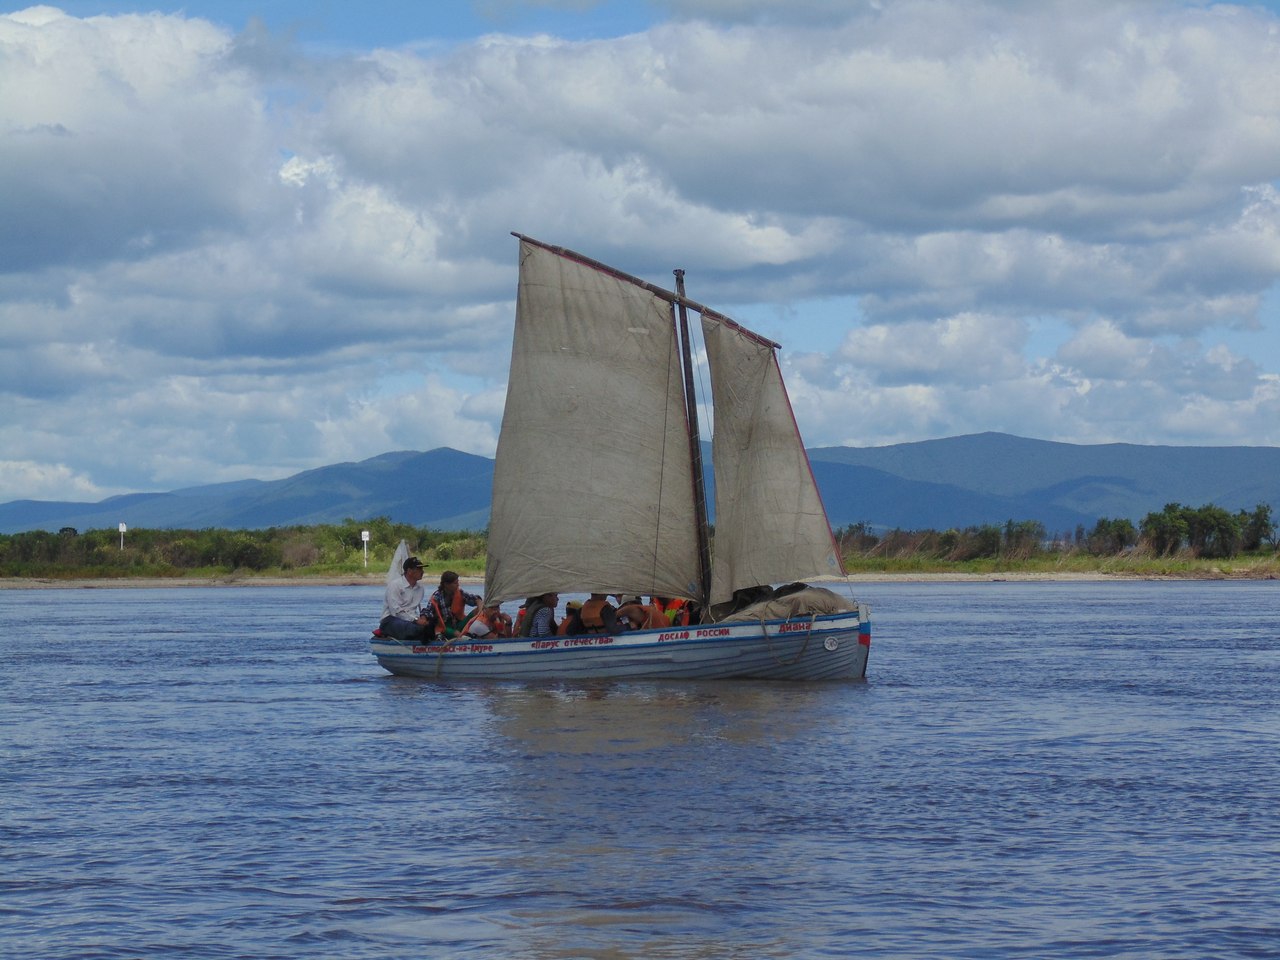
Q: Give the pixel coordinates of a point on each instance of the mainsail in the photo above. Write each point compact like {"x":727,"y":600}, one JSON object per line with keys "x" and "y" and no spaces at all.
{"x":771,"y":526}
{"x":593,"y":483}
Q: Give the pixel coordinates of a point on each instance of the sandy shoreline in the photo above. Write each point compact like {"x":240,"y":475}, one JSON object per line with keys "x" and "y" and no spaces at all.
{"x":377,"y":580}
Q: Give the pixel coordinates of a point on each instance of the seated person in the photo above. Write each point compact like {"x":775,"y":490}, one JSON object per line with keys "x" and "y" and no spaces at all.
{"x":571,"y":625}
{"x":632,"y":614}
{"x":657,"y":615}
{"x":676,"y":610}
{"x":599,"y":615}
{"x":517,"y":628}
{"x":644,"y":616}
{"x":447,"y":608}
{"x":402,"y":617}
{"x":488,"y":622}
{"x":540,"y":616}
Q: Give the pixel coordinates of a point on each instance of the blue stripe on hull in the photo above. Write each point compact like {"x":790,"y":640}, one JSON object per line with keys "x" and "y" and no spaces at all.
{"x":745,"y":654}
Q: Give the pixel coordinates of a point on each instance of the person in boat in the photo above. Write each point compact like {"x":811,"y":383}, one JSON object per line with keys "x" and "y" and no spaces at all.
{"x":488,"y":622}
{"x":599,"y":615}
{"x":676,"y":610}
{"x":447,"y":609}
{"x":635,"y":614}
{"x":517,"y":629}
{"x":631,"y":615}
{"x":540,"y":616}
{"x":657,"y":616}
{"x":402,"y":616}
{"x":571,"y":625}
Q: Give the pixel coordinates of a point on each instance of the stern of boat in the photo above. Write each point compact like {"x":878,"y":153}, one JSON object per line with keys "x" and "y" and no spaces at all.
{"x":864,"y":636}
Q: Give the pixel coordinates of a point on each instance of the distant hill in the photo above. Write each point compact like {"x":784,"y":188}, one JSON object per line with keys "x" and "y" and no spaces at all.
{"x":953,"y":482}
{"x":1051,"y":481}
{"x":442,"y":488}
{"x":854,"y":494}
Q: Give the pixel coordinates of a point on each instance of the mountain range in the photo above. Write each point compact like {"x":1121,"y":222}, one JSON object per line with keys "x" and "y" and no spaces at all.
{"x":951,"y":482}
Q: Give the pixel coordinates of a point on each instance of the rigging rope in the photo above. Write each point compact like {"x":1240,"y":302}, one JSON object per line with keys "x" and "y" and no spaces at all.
{"x":808,"y":635}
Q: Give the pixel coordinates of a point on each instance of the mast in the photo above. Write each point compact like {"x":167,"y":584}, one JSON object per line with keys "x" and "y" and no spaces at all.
{"x":695,"y":451}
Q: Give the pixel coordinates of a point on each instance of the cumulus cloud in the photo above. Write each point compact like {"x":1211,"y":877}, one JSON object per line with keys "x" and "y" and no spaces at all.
{"x":222,"y":256}
{"x":31,"y":480}
{"x":122,"y":135}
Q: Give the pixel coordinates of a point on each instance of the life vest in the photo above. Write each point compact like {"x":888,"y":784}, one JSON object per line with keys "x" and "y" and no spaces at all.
{"x":677,"y":612}
{"x":499,"y":624}
{"x":457,"y":609}
{"x":452,"y":617}
{"x":593,"y":615}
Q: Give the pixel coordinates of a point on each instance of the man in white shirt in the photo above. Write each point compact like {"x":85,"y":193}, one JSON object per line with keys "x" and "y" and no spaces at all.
{"x":402,"y":617}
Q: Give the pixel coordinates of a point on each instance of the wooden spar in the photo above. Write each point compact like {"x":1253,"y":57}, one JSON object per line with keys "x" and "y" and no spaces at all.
{"x":677,"y":297}
{"x":695,"y":454}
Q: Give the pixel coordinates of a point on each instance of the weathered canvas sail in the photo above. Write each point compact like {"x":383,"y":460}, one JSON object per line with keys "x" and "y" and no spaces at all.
{"x":771,"y":526}
{"x":592,"y":485}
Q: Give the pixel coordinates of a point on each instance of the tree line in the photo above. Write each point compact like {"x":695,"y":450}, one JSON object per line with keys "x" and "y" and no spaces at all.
{"x":324,"y":548}
{"x":1208,"y":531}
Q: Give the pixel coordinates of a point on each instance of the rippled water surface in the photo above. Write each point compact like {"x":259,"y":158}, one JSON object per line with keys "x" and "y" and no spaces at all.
{"x":1030,"y":770}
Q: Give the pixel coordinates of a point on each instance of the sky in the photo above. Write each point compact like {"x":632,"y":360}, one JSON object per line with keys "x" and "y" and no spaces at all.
{"x":247,"y":238}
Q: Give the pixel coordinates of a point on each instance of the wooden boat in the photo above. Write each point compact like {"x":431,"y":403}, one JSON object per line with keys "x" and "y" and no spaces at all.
{"x":598,"y":488}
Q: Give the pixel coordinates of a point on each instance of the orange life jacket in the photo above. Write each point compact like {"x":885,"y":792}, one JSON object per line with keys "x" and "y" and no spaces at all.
{"x":499,"y":624}
{"x":677,"y":612}
{"x":592,"y":614}
{"x":457,"y":608}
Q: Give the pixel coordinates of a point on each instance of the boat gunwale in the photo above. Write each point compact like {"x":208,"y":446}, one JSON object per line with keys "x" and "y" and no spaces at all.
{"x":748,"y":630}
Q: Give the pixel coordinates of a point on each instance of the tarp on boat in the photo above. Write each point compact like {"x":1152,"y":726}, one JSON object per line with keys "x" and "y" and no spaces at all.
{"x":814,"y":601}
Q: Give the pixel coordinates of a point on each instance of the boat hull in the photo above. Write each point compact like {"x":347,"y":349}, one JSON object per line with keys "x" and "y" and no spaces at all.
{"x":830,"y":647}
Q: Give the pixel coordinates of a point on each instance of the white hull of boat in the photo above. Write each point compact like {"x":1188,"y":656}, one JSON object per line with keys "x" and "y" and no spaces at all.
{"x":830,"y":647}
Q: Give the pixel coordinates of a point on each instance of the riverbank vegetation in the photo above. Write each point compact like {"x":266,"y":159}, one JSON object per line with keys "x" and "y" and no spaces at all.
{"x":302,"y":551}
{"x":1176,"y":542}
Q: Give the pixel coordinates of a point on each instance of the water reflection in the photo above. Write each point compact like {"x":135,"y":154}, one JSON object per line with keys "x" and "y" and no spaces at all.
{"x":632,"y":810}
{"x":617,"y":718}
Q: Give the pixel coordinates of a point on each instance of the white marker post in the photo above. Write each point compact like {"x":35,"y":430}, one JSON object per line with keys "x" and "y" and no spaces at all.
{"x":364,"y":535}
{"x":122,"y":529}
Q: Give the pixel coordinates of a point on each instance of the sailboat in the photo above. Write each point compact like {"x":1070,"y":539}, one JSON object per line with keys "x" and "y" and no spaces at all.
{"x":598,"y":488}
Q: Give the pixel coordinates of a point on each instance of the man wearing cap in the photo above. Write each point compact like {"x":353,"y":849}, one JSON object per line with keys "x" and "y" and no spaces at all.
{"x":402,"y":617}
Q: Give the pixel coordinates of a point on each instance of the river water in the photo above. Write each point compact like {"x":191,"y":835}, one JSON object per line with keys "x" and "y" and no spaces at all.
{"x":1030,"y":770}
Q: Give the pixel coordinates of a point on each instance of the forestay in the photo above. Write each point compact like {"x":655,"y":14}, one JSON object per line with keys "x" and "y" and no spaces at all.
{"x":592,"y":486}
{"x":771,"y":526}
